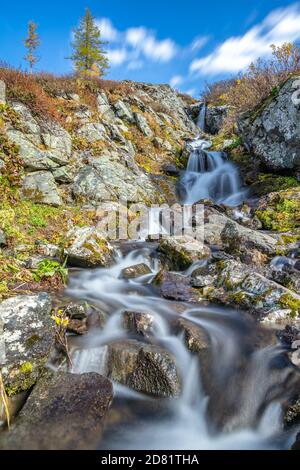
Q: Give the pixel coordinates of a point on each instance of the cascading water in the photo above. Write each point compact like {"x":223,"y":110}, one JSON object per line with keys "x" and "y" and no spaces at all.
{"x":231,"y":402}
{"x":209,"y":175}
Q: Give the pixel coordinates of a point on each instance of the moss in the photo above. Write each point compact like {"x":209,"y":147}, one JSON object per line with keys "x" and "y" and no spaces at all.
{"x":238,"y":298}
{"x":267,"y":183}
{"x":288,"y":301}
{"x":282,"y":215}
{"x":26,"y":368}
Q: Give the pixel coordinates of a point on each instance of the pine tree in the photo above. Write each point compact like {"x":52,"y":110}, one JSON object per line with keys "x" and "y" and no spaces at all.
{"x":88,"y":53}
{"x":31,"y":43}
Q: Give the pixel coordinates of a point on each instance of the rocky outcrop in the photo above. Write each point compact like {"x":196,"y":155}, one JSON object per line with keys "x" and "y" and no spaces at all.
{"x":28,"y":336}
{"x":145,"y":368}
{"x":85,"y":247}
{"x":178,"y":253}
{"x":2,"y":92}
{"x":40,"y":187}
{"x":272,"y":131}
{"x":64,"y":412}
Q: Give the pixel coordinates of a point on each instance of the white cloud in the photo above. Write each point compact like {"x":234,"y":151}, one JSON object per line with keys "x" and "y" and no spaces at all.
{"x":108,"y":31}
{"x":116,"y":57}
{"x":236,"y":53}
{"x":176,"y":80}
{"x":135,"y":65}
{"x":146,"y":43}
{"x":135,"y":36}
{"x":199,"y":42}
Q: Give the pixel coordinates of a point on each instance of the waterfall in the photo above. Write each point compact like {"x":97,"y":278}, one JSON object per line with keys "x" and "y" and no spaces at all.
{"x":201,"y":117}
{"x":209,"y":175}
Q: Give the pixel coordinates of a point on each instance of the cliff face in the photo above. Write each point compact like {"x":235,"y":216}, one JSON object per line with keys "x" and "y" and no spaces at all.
{"x":112,"y":148}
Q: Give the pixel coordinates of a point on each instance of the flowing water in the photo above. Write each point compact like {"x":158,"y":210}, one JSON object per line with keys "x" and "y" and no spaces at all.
{"x":230,"y":399}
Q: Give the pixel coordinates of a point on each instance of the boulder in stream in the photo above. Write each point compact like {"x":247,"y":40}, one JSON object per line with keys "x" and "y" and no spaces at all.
{"x":146,"y":368}
{"x":179,"y":253}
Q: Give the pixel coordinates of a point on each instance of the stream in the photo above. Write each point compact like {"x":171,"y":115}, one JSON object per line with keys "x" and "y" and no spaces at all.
{"x":231,"y":401}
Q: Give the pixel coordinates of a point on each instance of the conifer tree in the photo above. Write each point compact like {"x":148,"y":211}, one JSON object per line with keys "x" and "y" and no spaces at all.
{"x":31,"y":43}
{"x":88,"y":52}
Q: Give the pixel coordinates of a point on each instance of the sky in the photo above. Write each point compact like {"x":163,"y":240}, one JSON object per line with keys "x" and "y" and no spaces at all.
{"x":186,"y":43}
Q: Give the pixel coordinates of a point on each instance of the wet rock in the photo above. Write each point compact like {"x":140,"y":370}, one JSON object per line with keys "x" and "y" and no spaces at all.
{"x":77,"y":327}
{"x":87,"y":248}
{"x":202,"y":281}
{"x":178,"y":253}
{"x":143,"y":125}
{"x":2,"y":92}
{"x":175,"y":286}
{"x":64,"y":412}
{"x":289,"y":335}
{"x":124,"y":112}
{"x":195,"y":337}
{"x":2,"y":238}
{"x":241,"y":241}
{"x":170,"y":170}
{"x":40,"y":187}
{"x":28,"y":335}
{"x":145,"y":368}
{"x":214,"y":118}
{"x":77,"y":310}
{"x":138,"y":322}
{"x":133,"y":272}
{"x":271,"y":132}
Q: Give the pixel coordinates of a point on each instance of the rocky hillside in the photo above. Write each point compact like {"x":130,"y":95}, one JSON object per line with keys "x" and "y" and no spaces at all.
{"x":68,"y":146}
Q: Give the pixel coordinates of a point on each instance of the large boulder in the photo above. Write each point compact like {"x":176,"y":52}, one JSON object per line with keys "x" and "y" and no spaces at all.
{"x":40,"y":187}
{"x":175,"y":286}
{"x":272,"y":131}
{"x":86,"y":247}
{"x":143,"y":367}
{"x":244,"y":287}
{"x":214,"y":118}
{"x":64,"y":412}
{"x":28,"y":336}
{"x":179,"y":253}
{"x":123,"y":111}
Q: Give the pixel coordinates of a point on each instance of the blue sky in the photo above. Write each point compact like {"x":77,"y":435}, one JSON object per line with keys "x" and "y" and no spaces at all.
{"x":182,"y":42}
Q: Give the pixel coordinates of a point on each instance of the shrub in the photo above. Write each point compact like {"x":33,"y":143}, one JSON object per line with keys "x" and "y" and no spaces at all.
{"x":25,"y":88}
{"x":261,"y":80}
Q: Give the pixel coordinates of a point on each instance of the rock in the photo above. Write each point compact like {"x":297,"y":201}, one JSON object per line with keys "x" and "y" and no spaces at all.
{"x":92,"y":132}
{"x":195,"y":337}
{"x":146,"y":368}
{"x":143,"y":125}
{"x":40,"y":187}
{"x":244,"y":287}
{"x":57,"y":138}
{"x":138,"y":322}
{"x":2,"y":92}
{"x":87,"y":248}
{"x":88,"y":185}
{"x":64,"y":412}
{"x":272,"y":131}
{"x":214,"y":119}
{"x":174,"y":286}
{"x":104,"y":108}
{"x":135,"y":271}
{"x":28,"y":122}
{"x":77,"y":310}
{"x":64,"y":174}
{"x":47,"y":249}
{"x":124,"y":112}
{"x":170,"y":170}
{"x":214,"y":224}
{"x":180,"y":252}
{"x":2,"y":238}
{"x":243,"y":242}
{"x":77,"y":327}
{"x":28,"y":335}
{"x":202,"y":281}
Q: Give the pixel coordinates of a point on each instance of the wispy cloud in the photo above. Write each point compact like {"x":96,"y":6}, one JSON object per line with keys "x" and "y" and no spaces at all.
{"x":237,"y":52}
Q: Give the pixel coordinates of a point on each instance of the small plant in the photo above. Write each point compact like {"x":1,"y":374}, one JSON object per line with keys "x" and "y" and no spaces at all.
{"x":61,"y":324}
{"x":49,"y":268}
{"x":4,"y":401}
